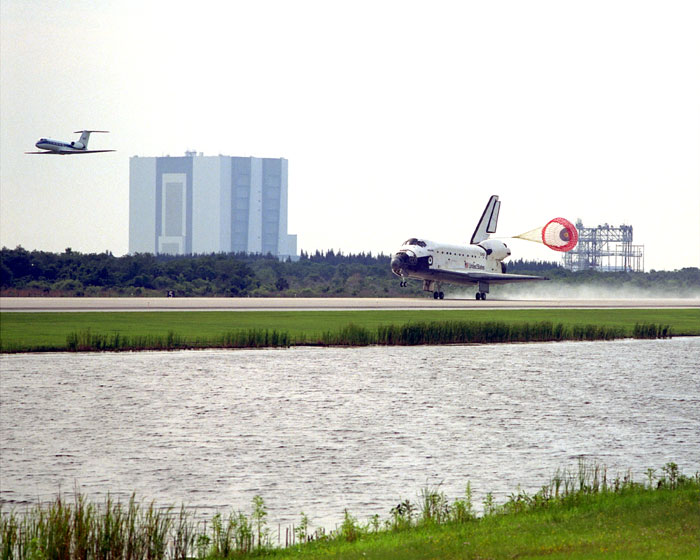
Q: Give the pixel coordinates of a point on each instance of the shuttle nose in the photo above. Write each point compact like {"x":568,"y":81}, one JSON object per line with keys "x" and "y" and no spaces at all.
{"x":402,"y":260}
{"x":398,"y":262}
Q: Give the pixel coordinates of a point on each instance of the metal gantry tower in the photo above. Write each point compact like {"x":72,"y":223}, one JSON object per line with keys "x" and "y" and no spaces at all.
{"x":605,"y":248}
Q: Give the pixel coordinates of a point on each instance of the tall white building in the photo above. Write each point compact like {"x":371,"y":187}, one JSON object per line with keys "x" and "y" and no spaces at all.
{"x":209,"y":204}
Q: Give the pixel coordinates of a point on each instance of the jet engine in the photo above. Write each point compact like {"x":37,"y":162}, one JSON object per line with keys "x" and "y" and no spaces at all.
{"x":77,"y":145}
{"x":495,"y":249}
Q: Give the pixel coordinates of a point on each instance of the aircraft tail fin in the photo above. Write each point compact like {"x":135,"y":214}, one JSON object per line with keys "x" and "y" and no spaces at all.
{"x":488,"y":222}
{"x":85,"y":136}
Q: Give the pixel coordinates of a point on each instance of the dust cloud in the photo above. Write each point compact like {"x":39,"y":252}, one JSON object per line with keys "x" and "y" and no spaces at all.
{"x":548,"y":290}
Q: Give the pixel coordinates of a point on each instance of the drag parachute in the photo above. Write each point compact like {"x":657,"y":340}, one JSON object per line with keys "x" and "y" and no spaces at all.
{"x":559,"y":234}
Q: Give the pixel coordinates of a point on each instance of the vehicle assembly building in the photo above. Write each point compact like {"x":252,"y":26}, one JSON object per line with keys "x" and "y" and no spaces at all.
{"x":605,"y":248}
{"x":209,"y":204}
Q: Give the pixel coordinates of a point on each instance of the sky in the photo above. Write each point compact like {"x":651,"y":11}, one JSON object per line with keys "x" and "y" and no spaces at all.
{"x":399,"y":119}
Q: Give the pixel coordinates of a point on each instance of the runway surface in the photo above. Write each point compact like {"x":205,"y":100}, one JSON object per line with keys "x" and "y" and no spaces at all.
{"x":323,"y":304}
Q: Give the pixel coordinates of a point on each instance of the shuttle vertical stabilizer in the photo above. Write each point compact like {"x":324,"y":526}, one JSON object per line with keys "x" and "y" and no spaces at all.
{"x":488,"y":222}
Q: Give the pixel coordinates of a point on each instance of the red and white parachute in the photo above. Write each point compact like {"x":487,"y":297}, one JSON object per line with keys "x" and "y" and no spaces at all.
{"x":559,"y":234}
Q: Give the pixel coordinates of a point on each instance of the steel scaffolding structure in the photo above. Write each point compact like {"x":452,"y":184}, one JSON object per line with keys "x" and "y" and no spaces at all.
{"x":605,"y":248}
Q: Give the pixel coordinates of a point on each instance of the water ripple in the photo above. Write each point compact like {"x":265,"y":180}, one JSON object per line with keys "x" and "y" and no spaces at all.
{"x":320,"y":430}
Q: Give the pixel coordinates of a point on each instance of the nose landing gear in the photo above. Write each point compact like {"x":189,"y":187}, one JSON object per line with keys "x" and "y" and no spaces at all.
{"x":480,"y":295}
{"x":438,"y":295}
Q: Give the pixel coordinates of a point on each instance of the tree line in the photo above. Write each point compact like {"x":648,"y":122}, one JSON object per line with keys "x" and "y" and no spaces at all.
{"x":37,"y":273}
{"x":317,"y":274}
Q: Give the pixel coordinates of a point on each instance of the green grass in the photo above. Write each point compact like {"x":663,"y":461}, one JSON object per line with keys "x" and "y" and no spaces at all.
{"x":579,"y":514}
{"x":637,"y":524}
{"x":576,"y":515}
{"x":50,"y":331}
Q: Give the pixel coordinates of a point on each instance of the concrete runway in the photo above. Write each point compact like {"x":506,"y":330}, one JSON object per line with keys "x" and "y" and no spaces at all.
{"x":324,"y":304}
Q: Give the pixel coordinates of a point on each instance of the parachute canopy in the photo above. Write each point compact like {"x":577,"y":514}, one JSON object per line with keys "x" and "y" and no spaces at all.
{"x":559,"y":234}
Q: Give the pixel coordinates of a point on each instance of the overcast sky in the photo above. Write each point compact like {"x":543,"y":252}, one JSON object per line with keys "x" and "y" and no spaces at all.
{"x":398,"y":119}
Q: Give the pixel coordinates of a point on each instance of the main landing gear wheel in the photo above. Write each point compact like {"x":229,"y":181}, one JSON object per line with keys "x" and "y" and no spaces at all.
{"x":438,"y":295}
{"x":480,"y":295}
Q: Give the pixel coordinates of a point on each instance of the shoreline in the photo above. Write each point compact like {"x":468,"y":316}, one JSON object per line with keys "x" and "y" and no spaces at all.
{"x":433,"y":522}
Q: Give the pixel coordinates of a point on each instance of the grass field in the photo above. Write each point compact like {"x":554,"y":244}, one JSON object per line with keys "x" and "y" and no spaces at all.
{"x":49,"y":331}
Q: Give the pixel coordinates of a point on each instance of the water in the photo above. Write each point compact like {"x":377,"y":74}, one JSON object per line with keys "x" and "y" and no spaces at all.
{"x":320,"y":430}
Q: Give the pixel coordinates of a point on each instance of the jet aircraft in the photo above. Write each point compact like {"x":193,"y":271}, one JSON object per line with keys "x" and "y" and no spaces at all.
{"x":49,"y":146}
{"x":479,"y":263}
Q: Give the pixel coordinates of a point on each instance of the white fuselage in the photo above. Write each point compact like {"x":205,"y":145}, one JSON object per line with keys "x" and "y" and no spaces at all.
{"x":427,"y":260}
{"x":58,"y":146}
{"x":461,"y":258}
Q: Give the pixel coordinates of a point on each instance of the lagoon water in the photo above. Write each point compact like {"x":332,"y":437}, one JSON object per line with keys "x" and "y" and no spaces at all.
{"x":321,"y":430}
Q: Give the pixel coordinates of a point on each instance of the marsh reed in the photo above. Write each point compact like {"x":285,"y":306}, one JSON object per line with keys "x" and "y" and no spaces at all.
{"x":409,"y":334}
{"x":134,"y":531}
{"x":87,"y":341}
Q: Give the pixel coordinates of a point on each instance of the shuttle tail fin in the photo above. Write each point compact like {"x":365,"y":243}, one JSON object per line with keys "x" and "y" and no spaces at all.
{"x":488,"y":222}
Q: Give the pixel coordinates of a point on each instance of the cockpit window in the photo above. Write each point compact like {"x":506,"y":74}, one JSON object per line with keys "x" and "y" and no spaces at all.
{"x":414,"y":241}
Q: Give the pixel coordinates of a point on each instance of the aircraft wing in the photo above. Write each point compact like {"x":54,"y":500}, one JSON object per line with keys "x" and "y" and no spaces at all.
{"x":458,"y":277}
{"x":495,"y":278}
{"x":84,"y":152}
{"x":70,"y":153}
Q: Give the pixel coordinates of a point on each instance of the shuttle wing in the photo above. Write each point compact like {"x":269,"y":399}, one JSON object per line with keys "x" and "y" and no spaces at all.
{"x":495,"y":278}
{"x":455,"y":277}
